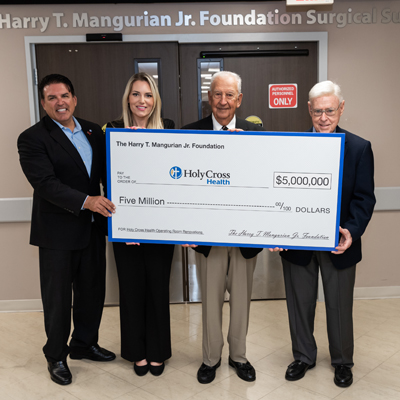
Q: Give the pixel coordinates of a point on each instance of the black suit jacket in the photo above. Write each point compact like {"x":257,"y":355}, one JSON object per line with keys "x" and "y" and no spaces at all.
{"x":61,"y":183}
{"x":357,"y":205}
{"x":207,"y":125}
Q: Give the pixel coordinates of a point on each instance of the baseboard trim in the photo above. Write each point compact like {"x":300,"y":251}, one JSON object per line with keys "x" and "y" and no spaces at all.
{"x":381,"y":292}
{"x":30,"y":305}
{"x":21,"y":305}
{"x":360,"y":293}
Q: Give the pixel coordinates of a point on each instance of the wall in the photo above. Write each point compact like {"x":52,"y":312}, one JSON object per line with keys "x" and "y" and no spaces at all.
{"x":363,"y":57}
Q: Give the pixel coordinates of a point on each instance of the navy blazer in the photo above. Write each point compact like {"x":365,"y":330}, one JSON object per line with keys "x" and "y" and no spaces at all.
{"x":61,"y":183}
{"x":207,"y":125}
{"x":357,"y":205}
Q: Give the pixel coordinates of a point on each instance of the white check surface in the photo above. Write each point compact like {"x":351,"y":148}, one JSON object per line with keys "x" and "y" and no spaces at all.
{"x":250,"y":189}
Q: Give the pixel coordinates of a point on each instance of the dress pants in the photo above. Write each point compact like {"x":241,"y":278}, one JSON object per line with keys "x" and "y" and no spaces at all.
{"x":143,"y":275}
{"x":225,"y":268}
{"x":301,"y":285}
{"x":82,"y":271}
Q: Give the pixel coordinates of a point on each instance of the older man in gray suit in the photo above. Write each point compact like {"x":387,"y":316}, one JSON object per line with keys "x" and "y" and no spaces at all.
{"x":338,"y":268}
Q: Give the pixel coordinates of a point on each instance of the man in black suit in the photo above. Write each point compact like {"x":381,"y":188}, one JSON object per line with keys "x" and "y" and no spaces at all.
{"x":63,"y":158}
{"x":224,"y":268}
{"x":338,"y":268}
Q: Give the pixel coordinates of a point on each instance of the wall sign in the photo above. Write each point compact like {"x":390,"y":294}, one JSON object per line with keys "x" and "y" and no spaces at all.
{"x":283,"y":95}
{"x":144,"y":20}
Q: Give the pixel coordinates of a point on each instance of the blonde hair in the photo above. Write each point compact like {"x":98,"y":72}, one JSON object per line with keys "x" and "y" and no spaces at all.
{"x":154,"y":121}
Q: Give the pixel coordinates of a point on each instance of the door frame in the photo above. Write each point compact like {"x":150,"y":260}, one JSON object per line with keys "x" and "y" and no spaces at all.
{"x":30,"y":55}
{"x":320,"y":37}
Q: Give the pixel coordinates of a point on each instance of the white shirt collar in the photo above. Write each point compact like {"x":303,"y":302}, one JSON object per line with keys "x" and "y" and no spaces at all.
{"x":217,"y":126}
{"x":314,"y":131}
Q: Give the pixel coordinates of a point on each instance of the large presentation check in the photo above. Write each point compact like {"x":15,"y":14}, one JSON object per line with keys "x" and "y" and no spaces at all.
{"x":256,"y":189}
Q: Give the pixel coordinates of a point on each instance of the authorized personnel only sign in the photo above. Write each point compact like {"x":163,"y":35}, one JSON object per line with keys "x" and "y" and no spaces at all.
{"x":283,"y":95}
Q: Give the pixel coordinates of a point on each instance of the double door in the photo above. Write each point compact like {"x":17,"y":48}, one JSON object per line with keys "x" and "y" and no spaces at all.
{"x":99,"y":72}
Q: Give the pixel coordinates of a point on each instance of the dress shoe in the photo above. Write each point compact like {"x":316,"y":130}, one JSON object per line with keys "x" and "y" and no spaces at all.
{"x":59,"y":372}
{"x":206,"y":374}
{"x":94,"y":353}
{"x":141,"y":370}
{"x":297,"y":369}
{"x":343,"y":376}
{"x":157,"y":370}
{"x":244,"y":371}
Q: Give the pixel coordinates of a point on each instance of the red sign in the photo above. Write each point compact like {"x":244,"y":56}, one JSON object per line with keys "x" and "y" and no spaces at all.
{"x":283,"y":95}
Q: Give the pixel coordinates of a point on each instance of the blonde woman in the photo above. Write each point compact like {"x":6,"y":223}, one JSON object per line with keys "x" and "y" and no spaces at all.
{"x":144,"y":269}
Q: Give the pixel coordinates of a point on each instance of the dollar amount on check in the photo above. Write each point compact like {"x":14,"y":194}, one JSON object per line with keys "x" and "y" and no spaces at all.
{"x":268,"y":189}
{"x":297,"y":180}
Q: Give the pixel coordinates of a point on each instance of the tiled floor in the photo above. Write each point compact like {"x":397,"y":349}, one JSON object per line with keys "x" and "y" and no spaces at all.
{"x":23,"y":373}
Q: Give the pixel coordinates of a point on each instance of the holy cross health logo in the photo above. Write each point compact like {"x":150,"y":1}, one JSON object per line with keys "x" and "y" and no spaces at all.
{"x":175,"y":173}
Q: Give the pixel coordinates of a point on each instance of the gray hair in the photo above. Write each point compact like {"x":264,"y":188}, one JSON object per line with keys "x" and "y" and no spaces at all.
{"x":222,"y":74}
{"x":325,"y":88}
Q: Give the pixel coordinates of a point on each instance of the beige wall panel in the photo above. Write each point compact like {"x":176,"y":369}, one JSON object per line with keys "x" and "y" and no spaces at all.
{"x":367,"y":68}
{"x":379,"y":266}
{"x":14,"y":111}
{"x":19,"y":267}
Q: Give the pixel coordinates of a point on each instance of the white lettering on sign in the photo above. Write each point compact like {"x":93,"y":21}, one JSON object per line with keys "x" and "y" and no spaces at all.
{"x":283,"y":95}
{"x":119,"y":22}
{"x":205,"y":18}
{"x":283,"y":101}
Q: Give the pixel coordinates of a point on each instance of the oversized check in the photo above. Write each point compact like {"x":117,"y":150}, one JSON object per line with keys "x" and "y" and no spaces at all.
{"x":256,"y":189}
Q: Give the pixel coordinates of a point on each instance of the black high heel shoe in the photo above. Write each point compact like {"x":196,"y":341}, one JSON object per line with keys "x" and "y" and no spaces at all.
{"x":157,"y":370}
{"x":141,"y":370}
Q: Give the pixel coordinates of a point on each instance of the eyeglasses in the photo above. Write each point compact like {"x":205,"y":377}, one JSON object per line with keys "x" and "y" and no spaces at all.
{"x":330,"y":112}
{"x":228,"y":96}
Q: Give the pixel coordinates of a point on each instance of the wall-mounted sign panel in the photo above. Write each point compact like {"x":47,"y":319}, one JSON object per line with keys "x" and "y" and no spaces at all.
{"x":307,"y":2}
{"x":283,"y":95}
